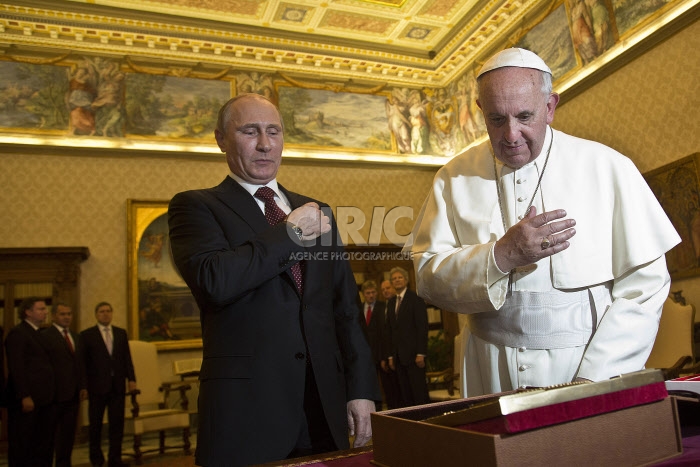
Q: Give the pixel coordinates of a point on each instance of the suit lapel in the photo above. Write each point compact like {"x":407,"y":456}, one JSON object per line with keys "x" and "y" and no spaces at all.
{"x":242,"y":203}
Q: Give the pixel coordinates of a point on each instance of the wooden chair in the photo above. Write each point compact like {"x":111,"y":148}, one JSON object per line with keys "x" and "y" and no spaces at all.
{"x":444,"y":385}
{"x":149,"y":403}
{"x":673,"y":351}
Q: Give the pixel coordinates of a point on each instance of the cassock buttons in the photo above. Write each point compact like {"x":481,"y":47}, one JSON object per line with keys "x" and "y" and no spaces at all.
{"x":521,"y":199}
{"x":524,"y":367}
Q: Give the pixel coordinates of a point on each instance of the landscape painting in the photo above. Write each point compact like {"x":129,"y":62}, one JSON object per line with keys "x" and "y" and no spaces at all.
{"x":629,"y":13}
{"x":33,"y":96}
{"x":314,"y":117}
{"x":173,"y":107}
{"x":551,"y":40}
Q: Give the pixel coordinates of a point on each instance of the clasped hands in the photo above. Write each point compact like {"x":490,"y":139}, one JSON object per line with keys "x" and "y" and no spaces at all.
{"x":535,"y":237}
{"x":311,"y":220}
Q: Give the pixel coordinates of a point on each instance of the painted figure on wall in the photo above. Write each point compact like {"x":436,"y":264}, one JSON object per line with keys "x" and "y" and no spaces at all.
{"x":258,"y":83}
{"x":95,"y":98}
{"x":420,"y":133}
{"x":82,"y":91}
{"x":108,"y":103}
{"x":443,"y":114}
{"x":471,"y":120}
{"x":582,"y":31}
{"x":602,"y":25}
{"x":591,"y":28}
{"x":399,"y":124}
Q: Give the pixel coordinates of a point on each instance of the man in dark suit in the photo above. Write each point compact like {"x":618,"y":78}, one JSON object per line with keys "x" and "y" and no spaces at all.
{"x":372,"y":320}
{"x":108,"y":370}
{"x":408,"y":329}
{"x":66,"y":357}
{"x":388,"y":376}
{"x":285,"y":365}
{"x":31,"y":384}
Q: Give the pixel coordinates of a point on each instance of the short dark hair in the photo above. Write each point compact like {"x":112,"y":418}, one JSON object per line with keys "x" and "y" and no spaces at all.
{"x":54,"y":306}
{"x":27,"y":304}
{"x":368,"y":285}
{"x":97,"y":307}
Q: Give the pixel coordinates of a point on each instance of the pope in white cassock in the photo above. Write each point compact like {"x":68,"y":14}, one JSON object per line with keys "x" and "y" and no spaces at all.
{"x":552,"y":245}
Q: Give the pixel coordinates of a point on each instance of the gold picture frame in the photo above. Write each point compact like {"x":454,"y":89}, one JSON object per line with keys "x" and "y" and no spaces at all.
{"x":677,"y":187}
{"x":161,"y":308}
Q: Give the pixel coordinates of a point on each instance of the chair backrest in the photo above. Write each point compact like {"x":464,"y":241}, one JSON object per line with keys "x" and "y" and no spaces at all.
{"x":675,"y":337}
{"x":187,"y":368}
{"x":148,"y":380}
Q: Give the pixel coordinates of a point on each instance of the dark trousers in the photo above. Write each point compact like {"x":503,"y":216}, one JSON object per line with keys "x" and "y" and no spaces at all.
{"x":30,"y":436}
{"x":390,"y":386}
{"x":414,"y":388}
{"x":315,"y":436}
{"x":66,"y":424}
{"x":114,"y":403}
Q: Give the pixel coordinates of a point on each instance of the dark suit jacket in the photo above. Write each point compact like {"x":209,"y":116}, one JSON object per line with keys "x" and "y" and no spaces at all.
{"x":258,"y":331}
{"x":29,"y":366}
{"x":408,"y":334}
{"x":68,"y":365}
{"x":374,"y":332}
{"x":106,"y":373}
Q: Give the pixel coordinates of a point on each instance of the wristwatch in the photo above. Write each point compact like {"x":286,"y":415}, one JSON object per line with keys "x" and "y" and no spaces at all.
{"x":297,"y":230}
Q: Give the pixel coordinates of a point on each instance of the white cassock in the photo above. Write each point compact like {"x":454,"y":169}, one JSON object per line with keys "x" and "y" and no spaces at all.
{"x":591,"y":311}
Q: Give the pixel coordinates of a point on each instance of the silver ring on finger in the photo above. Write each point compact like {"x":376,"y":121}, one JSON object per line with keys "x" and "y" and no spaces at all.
{"x":545,"y":243}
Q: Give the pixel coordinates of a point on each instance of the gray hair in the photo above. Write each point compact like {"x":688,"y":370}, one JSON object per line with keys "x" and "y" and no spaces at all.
{"x":546,"y":84}
{"x":401,"y":271}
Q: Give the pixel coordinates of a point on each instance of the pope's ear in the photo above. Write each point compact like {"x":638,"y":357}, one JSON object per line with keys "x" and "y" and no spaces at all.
{"x":551,"y":105}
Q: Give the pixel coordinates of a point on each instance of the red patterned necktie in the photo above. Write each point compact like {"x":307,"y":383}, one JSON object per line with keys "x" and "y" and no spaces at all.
{"x":274,"y":216}
{"x":68,"y":341}
{"x":398,"y":304}
{"x":369,"y":314}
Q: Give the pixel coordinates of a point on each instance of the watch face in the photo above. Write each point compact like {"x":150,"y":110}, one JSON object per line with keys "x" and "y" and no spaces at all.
{"x":298,"y":231}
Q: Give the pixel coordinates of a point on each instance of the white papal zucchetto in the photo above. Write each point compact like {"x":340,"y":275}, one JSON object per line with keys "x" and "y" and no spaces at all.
{"x":520,"y":58}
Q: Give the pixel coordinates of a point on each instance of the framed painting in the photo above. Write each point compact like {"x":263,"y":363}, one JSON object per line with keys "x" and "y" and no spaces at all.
{"x":161,"y":308}
{"x":677,"y":187}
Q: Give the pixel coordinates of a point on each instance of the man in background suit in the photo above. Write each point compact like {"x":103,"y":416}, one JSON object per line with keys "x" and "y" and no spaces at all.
{"x":286,"y":367}
{"x":31,"y":384}
{"x":408,"y":331}
{"x":388,"y":376}
{"x":65,"y":352}
{"x":108,"y":369}
{"x":372,"y":320}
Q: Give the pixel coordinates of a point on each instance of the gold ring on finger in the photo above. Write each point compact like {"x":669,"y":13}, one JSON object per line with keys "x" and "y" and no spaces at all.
{"x":545,"y":243}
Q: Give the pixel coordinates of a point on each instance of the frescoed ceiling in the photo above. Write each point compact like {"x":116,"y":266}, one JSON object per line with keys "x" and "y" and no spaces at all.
{"x":399,"y":42}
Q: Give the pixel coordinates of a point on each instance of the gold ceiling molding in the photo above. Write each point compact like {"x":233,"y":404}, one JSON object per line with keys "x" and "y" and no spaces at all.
{"x":37,"y":60}
{"x":32,"y":27}
{"x":180,"y":72}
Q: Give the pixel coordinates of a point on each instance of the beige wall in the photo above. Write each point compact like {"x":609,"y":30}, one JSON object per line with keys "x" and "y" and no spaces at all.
{"x":647,"y":110}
